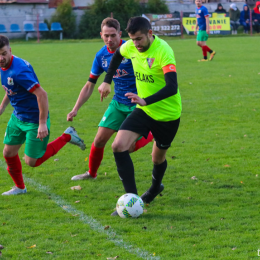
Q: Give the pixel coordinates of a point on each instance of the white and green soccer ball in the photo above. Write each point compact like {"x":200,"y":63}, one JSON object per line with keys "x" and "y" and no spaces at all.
{"x":129,"y":206}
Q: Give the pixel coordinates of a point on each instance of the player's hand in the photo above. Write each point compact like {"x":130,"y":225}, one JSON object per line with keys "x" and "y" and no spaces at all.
{"x":104,"y":89}
{"x":135,"y":99}
{"x":71,"y":115}
{"x":195,"y":32}
{"x":42,"y":131}
{"x":208,"y":31}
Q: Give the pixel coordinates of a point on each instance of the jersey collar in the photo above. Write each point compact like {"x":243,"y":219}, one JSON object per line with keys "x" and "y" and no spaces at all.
{"x":9,"y":64}
{"x":117,"y":47}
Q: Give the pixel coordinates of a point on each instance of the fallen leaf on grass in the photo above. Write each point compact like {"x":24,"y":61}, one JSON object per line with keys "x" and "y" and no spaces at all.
{"x":55,"y":160}
{"x":73,"y":235}
{"x":105,"y":174}
{"x":75,"y":215}
{"x":112,"y":258}
{"x":173,"y":157}
{"x":77,"y":201}
{"x":242,"y":182}
{"x":145,"y":210}
{"x":33,"y":246}
{"x":154,"y":254}
{"x":86,"y":159}
{"x":245,"y":135}
{"x":4,"y":223}
{"x":144,"y":227}
{"x":193,"y":178}
{"x":208,"y":159}
{"x":226,"y":165}
{"x":64,"y":207}
{"x":76,"y":187}
{"x":256,"y":175}
{"x":106,"y":227}
{"x":234,"y":248}
{"x":48,"y":252}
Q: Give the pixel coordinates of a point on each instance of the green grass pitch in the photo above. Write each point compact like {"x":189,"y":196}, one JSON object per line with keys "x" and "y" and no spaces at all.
{"x":210,"y":205}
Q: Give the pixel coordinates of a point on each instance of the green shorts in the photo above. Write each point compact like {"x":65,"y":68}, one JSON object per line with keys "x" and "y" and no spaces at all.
{"x":115,"y":114}
{"x":18,"y":132}
{"x":202,"y":36}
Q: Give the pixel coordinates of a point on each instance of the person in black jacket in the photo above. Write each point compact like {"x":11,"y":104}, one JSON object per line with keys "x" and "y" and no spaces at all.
{"x":220,"y":9}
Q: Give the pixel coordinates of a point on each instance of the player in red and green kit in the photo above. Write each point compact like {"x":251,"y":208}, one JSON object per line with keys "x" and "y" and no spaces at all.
{"x":158,"y":103}
{"x":30,"y":120}
{"x":202,"y":22}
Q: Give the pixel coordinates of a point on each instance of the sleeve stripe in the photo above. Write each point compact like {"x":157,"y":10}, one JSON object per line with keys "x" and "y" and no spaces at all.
{"x":169,"y":68}
{"x":34,"y":87}
{"x":93,"y":76}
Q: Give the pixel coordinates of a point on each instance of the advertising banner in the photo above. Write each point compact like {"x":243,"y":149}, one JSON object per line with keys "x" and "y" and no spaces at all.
{"x":165,"y":24}
{"x":218,"y":23}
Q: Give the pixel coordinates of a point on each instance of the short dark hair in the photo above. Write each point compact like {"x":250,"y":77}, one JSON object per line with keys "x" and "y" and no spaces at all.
{"x":138,"y":23}
{"x":4,"y":41}
{"x":111,"y":22}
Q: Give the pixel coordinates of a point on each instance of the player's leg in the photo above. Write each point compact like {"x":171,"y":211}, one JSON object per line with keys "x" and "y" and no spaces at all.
{"x":13,"y":140}
{"x":164,"y":133}
{"x":96,"y":154}
{"x":37,"y":151}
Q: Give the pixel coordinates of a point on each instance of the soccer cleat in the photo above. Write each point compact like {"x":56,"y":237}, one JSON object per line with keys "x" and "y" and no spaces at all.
{"x":212,"y":55}
{"x":15,"y":191}
{"x":148,"y":196}
{"x":84,"y":176}
{"x":203,"y":60}
{"x":75,"y":139}
{"x":114,"y":213}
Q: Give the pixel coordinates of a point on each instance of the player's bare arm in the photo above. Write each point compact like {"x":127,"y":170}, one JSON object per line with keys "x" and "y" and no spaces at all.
{"x":4,"y":104}
{"x":42,"y":100}
{"x":84,"y":95}
{"x":207,"y":25}
{"x":196,"y":28}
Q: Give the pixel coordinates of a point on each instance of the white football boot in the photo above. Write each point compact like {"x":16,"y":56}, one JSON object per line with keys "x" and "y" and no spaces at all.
{"x":84,"y":176}
{"x":75,"y":139}
{"x":15,"y":191}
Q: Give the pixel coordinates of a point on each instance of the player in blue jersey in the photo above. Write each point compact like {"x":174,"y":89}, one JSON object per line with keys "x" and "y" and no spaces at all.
{"x":202,"y":22}
{"x":30,"y":121}
{"x":120,"y":106}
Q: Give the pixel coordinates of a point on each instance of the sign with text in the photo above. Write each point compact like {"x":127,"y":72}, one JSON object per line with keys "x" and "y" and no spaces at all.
{"x":218,"y":24}
{"x":164,"y":24}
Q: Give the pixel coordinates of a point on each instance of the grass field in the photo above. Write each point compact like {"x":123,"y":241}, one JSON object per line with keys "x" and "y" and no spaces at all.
{"x":214,"y":215}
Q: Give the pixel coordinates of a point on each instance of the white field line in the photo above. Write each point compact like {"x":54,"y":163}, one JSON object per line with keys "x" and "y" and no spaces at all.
{"x":94,"y":224}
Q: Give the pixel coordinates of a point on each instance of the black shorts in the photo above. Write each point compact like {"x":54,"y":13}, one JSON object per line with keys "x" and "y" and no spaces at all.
{"x":163,"y":132}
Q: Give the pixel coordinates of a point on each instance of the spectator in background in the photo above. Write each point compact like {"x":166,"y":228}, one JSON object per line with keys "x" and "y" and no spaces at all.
{"x":234,"y":15}
{"x":220,"y":9}
{"x":245,"y":18}
{"x":256,"y":17}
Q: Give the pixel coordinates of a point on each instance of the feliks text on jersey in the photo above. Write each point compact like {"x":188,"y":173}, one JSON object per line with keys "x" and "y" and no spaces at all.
{"x":144,"y":77}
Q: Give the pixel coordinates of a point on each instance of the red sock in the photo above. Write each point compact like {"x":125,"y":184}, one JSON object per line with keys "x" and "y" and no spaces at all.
{"x":53,"y":148}
{"x":204,"y":50}
{"x":143,"y":142}
{"x":95,"y":158}
{"x":207,"y":49}
{"x":14,"y":168}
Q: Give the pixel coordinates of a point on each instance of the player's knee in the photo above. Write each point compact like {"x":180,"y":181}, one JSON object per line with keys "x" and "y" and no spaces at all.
{"x":8,"y":153}
{"x":198,"y":43}
{"x":158,"y":159}
{"x":118,"y":146}
{"x":100,"y":142}
{"x":30,"y":162}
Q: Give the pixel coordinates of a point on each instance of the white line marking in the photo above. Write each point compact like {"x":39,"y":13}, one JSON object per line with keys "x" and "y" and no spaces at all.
{"x":94,"y":224}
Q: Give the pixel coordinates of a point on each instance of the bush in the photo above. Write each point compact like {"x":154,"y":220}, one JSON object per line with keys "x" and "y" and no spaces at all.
{"x":122,"y":10}
{"x":157,"y":7}
{"x":65,"y":16}
{"x":90,"y":22}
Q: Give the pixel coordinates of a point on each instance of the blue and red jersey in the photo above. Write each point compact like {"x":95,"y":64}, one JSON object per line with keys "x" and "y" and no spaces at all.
{"x":124,"y":78}
{"x":19,"y":81}
{"x":201,"y":14}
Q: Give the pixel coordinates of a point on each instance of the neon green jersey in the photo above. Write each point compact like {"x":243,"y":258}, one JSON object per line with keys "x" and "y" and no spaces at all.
{"x":150,"y":77}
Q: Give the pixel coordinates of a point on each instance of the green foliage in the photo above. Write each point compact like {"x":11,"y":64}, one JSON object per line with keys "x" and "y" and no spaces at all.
{"x":157,"y":7}
{"x":122,"y":10}
{"x":65,"y":16}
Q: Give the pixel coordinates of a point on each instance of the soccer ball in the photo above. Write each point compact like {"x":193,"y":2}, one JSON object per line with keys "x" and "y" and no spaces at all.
{"x":129,"y":206}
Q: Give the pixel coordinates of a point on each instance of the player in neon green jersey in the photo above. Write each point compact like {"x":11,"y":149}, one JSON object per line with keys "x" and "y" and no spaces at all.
{"x":158,"y":103}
